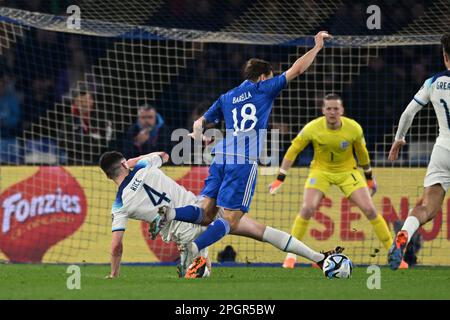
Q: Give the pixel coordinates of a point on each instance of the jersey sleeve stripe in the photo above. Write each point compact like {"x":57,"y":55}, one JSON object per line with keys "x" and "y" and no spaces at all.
{"x":420,"y":102}
{"x":248,"y":188}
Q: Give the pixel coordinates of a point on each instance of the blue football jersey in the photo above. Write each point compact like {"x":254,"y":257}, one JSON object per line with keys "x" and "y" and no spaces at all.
{"x":245,"y":110}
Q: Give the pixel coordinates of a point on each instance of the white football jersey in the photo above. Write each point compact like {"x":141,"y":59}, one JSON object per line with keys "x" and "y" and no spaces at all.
{"x":437,"y":91}
{"x":143,"y":191}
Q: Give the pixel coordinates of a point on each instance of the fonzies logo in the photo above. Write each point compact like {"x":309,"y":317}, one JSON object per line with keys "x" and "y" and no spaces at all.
{"x":38,"y":212}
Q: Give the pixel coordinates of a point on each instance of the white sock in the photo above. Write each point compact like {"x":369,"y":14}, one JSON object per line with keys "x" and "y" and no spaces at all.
{"x":170,"y":214}
{"x":194,"y":249}
{"x":411,"y":225}
{"x":291,"y":256}
{"x":285,"y":242}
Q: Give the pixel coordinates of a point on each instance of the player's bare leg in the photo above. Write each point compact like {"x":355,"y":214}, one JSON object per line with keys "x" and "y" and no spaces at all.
{"x":233,"y":217}
{"x":311,"y":201}
{"x":249,"y":228}
{"x":361,"y":197}
{"x":209,"y":210}
{"x":433,"y":197}
{"x":281,"y":240}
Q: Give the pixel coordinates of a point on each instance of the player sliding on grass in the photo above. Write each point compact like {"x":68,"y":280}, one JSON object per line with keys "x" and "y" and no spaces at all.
{"x":232,"y":174}
{"x":437,"y":179}
{"x":334,"y":138}
{"x":138,"y":199}
{"x":146,"y":189}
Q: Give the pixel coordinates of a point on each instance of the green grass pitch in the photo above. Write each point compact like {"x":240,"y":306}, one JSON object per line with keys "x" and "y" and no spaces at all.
{"x":228,"y":283}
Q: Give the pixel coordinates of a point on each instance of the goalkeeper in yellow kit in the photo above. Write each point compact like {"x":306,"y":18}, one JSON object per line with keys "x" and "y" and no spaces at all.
{"x":334,"y":138}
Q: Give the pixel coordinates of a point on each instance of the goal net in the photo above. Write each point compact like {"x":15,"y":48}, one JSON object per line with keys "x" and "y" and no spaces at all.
{"x":69,"y":92}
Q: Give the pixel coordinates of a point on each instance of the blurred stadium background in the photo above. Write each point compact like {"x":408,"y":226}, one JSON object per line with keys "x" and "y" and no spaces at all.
{"x":67,"y":95}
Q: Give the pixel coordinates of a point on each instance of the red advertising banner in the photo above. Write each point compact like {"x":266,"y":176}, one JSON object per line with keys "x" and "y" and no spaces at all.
{"x":38,"y":212}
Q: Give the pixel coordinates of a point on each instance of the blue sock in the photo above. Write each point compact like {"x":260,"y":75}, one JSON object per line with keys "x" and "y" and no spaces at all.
{"x":191,"y":214}
{"x":215,"y":231}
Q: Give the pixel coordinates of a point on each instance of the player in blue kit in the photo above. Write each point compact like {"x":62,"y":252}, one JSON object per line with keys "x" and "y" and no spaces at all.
{"x":232,"y":174}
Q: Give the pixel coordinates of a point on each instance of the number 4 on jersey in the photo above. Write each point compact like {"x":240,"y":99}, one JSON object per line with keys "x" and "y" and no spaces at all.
{"x":152,"y":193}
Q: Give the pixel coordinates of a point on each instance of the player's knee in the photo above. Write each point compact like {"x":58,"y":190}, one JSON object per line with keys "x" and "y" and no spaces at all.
{"x":233,"y":225}
{"x":369,"y":211}
{"x":209,"y":213}
{"x":307,"y":211}
{"x":208,"y":216}
{"x":206,"y":221}
{"x":233,"y":221}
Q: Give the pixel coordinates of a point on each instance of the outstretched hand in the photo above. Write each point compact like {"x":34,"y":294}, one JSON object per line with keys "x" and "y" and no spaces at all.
{"x":165,"y":157}
{"x":275,"y":186}
{"x":195,"y":135}
{"x":373,"y":187}
{"x":205,"y":139}
{"x":396,"y":146}
{"x":320,"y":38}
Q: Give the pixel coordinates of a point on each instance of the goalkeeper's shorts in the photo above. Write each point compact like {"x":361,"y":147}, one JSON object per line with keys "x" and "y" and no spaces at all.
{"x":347,"y":181}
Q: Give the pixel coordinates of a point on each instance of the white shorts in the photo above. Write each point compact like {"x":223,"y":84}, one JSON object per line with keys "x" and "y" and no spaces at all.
{"x":438,"y":171}
{"x":185,"y":232}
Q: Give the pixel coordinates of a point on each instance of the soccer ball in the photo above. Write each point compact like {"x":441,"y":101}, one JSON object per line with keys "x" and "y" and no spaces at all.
{"x":337,"y":266}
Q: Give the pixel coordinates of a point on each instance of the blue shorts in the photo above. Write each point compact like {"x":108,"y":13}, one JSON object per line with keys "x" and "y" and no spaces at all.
{"x":232,"y":185}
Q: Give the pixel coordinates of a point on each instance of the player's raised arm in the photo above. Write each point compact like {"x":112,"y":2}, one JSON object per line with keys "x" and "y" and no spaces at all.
{"x":403,"y":126}
{"x":213,"y":115}
{"x":197,"y":128}
{"x":420,"y":100}
{"x":116,"y":253}
{"x":303,"y":63}
{"x":362,"y":154}
{"x":159,"y":159}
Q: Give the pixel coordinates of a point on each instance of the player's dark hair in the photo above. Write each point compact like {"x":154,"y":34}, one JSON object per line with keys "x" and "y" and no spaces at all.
{"x":445,"y":41}
{"x":332,"y":96}
{"x":146,"y":107}
{"x":256,"y":67}
{"x":82,"y":90}
{"x":111,"y":162}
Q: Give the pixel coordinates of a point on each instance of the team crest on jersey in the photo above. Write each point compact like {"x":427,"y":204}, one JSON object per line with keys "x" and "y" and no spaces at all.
{"x":344,"y":144}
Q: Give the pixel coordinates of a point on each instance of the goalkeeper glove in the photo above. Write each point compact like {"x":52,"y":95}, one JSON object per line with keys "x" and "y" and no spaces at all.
{"x":371,"y":182}
{"x":274,"y":186}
